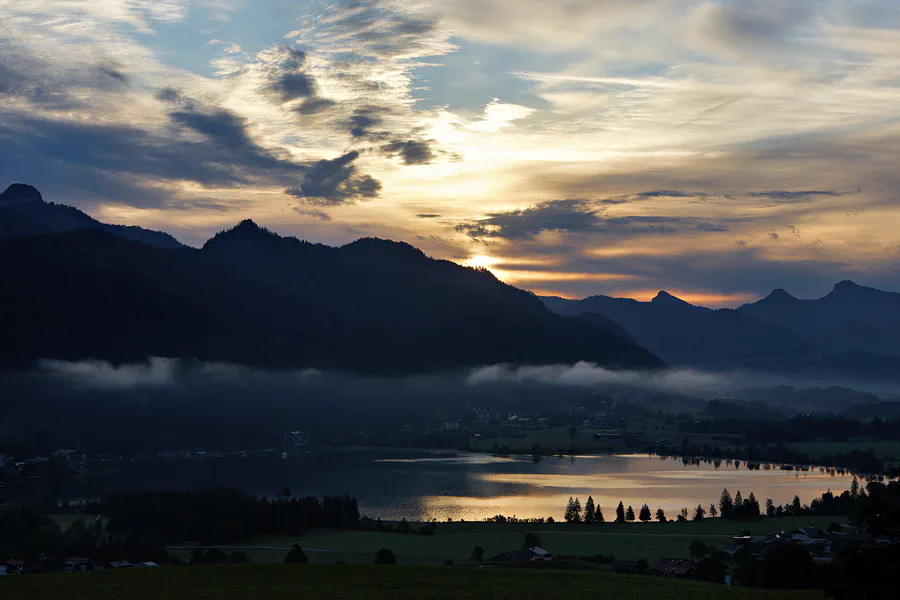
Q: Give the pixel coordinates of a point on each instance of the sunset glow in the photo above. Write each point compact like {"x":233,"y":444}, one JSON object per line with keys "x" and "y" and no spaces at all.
{"x":738,"y":147}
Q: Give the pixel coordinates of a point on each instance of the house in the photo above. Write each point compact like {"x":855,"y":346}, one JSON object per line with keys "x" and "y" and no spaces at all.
{"x":450,"y":426}
{"x":78,"y":564}
{"x":523,"y":555}
{"x":675,"y":567}
{"x":12,"y":567}
{"x":296,"y":439}
{"x":149,"y":564}
{"x":120,"y":564}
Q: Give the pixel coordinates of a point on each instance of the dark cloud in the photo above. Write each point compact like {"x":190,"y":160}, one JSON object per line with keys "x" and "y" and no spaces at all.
{"x":794,"y":196}
{"x":711,"y":227}
{"x":364,"y":118}
{"x":412,"y":152}
{"x":428,"y":215}
{"x":210,"y":146}
{"x":115,"y":74}
{"x":309,"y":212}
{"x":169,"y":95}
{"x":336,"y":181}
{"x":575,"y":216}
{"x":526,"y":223}
{"x":314,"y":105}
{"x":375,"y":30}
{"x":293,"y":58}
{"x":667,"y":194}
{"x":290,"y":86}
{"x":773,"y":236}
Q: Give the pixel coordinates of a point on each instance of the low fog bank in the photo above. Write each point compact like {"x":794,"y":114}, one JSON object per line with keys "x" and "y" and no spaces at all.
{"x":164,"y":404}
{"x":176,"y":374}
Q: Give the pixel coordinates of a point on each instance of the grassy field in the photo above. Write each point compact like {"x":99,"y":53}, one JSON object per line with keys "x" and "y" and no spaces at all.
{"x":456,"y":541}
{"x":274,"y":582}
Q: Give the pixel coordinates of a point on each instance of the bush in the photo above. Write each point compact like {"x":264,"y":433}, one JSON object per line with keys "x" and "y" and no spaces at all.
{"x":296,"y":555}
{"x":478,"y":554}
{"x":642,"y":566}
{"x":385,"y":556}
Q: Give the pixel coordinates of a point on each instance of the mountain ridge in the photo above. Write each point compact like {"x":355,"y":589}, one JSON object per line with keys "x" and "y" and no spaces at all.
{"x":251,"y":296}
{"x":23,"y":212}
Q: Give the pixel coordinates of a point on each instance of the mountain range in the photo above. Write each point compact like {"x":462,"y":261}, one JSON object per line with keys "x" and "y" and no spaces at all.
{"x":853,"y":330}
{"x":24,"y":212}
{"x":250,"y":296}
{"x":77,"y":288}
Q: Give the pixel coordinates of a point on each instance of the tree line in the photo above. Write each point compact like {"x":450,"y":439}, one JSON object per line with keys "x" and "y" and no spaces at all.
{"x":733,"y":508}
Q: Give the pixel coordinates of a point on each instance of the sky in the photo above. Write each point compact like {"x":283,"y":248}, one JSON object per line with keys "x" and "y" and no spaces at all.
{"x":717,"y":149}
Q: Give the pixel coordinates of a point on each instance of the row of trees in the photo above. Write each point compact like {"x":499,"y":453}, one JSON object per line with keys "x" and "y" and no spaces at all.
{"x":141,"y":525}
{"x":737,"y":508}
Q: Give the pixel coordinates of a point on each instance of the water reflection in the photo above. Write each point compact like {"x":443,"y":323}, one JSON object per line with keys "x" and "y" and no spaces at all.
{"x":393,"y":484}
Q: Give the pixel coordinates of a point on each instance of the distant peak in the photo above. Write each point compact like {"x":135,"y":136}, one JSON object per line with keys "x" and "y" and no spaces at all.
{"x":19,"y":193}
{"x":245,"y":230}
{"x":846,"y":285}
{"x":779,"y":294}
{"x":665,"y":297}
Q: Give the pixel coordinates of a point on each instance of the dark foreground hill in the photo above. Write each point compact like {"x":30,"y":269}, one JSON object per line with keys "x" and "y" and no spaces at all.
{"x":23,"y":211}
{"x":250,"y":296}
{"x":313,"y":582}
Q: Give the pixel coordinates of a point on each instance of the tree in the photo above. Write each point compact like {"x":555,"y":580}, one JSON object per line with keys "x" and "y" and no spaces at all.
{"x":620,"y":513}
{"x":629,"y":514}
{"x":642,"y":566}
{"x":589,"y":510}
{"x":698,"y":549}
{"x":699,"y":513}
{"x":598,"y":515}
{"x":752,"y":507}
{"x":725,"y":504}
{"x":296,"y":555}
{"x":661,"y":515}
{"x":738,"y":500}
{"x":570,"y":510}
{"x":770,"y":507}
{"x":711,"y":570}
{"x":645,"y":514}
{"x":478,"y":554}
{"x":385,"y":557}
{"x":531,"y":540}
{"x":854,"y":488}
{"x":796,"y":508}
{"x":713,"y":512}
{"x":577,"y":510}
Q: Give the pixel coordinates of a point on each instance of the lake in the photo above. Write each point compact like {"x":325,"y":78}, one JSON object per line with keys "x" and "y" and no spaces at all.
{"x":413,"y":484}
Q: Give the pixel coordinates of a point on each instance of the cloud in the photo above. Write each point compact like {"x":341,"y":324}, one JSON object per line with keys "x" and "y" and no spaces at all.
{"x":364,"y":118}
{"x":155,"y":373}
{"x":794,"y":196}
{"x":411,"y":152}
{"x":334,"y":182}
{"x":314,"y":105}
{"x":428,"y":215}
{"x":576,"y":216}
{"x":290,"y":86}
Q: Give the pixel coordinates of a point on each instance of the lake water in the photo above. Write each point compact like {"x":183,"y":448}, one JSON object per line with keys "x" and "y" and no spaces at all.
{"x":394,"y":484}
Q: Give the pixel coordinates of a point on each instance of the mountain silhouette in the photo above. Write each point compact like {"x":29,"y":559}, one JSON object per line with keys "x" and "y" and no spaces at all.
{"x":684,"y":334}
{"x":253,"y":297}
{"x":23,"y":211}
{"x":850,"y":318}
